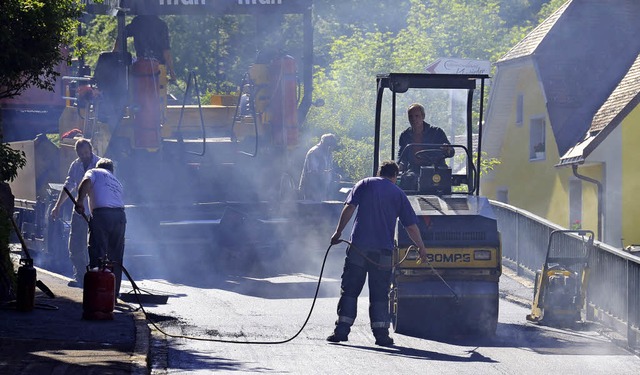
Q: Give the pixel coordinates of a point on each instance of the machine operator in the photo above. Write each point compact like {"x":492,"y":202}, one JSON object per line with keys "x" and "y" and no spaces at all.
{"x":420,"y":132}
{"x":150,"y":40}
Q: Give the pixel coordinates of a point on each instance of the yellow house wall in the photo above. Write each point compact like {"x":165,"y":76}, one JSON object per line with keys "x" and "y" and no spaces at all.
{"x":630,"y":179}
{"x":589,"y":197}
{"x":533,"y":185}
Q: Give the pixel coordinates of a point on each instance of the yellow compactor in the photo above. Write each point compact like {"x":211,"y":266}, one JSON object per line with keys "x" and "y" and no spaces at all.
{"x":560,"y":287}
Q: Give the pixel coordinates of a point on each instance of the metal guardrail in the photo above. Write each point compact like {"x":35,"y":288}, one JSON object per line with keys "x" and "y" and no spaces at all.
{"x":613,"y":290}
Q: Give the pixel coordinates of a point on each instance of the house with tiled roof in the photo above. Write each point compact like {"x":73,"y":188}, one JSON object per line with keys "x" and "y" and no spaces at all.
{"x":564,"y":121}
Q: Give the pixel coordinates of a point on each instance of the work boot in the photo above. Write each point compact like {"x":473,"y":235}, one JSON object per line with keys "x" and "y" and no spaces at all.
{"x":340,"y":333}
{"x":382,"y":337}
{"x":75,"y":284}
{"x":337,"y":337}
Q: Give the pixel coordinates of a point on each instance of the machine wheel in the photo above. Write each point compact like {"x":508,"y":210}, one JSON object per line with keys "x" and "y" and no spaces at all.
{"x":488,"y":322}
{"x":399,"y":317}
{"x":406,"y":316}
{"x":402,"y":319}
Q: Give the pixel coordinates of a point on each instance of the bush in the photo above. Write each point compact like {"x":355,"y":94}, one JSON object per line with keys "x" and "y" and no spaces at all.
{"x":10,"y":162}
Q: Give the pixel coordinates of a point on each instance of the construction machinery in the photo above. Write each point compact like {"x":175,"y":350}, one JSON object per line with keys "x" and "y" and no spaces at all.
{"x":560,"y":287}
{"x":456,"y":289}
{"x":190,"y":169}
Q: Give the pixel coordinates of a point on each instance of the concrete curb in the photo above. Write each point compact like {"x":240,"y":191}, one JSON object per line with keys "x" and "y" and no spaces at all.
{"x":140,"y":358}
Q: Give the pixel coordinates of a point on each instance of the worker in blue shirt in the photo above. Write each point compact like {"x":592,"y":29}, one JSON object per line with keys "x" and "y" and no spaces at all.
{"x":379,"y":203}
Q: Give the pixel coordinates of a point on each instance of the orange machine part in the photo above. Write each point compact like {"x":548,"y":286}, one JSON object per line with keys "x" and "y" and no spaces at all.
{"x":284,"y":103}
{"x":146,"y":103}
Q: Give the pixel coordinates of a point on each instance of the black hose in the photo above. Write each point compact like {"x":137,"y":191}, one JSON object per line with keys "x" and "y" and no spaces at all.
{"x":315,"y":297}
{"x":137,"y":293}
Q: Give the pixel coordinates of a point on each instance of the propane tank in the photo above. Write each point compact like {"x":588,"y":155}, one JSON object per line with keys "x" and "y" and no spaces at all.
{"x":98,"y":297}
{"x":25,"y":299}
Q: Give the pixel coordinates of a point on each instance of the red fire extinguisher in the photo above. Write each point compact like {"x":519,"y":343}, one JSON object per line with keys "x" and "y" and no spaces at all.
{"x":98,"y":297}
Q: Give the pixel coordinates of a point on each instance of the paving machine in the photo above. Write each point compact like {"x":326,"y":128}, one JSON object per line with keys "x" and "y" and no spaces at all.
{"x":191,"y":170}
{"x":456,"y":290}
{"x":560,"y":287}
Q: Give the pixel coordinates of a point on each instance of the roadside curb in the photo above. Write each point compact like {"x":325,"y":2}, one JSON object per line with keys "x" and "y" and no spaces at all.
{"x":140,"y":357}
{"x":522,"y":280}
{"x":517,"y":300}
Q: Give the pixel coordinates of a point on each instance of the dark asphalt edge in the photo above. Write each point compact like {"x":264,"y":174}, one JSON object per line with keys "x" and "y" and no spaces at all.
{"x":140,"y":359}
{"x":159,"y":356}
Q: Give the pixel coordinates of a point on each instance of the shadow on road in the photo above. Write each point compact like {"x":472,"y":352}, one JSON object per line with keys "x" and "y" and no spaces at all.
{"x":541,"y":339}
{"x":413,"y":353}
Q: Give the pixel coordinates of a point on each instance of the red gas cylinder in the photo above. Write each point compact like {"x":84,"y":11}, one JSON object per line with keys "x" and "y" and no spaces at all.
{"x":98,"y":298}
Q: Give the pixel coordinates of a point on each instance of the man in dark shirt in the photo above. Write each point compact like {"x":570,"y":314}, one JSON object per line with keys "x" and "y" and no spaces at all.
{"x":420,"y":132}
{"x":379,"y":203}
{"x":151,"y":40}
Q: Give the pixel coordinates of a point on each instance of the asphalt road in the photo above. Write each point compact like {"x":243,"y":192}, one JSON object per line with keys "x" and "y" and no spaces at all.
{"x":261,"y":307}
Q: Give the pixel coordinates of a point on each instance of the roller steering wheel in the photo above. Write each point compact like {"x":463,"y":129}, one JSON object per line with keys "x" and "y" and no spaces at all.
{"x":432,"y":156}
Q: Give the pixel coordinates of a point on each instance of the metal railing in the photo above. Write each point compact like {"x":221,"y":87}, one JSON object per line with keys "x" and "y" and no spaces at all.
{"x":613,"y":290}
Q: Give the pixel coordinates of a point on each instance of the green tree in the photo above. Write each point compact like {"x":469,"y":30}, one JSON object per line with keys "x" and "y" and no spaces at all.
{"x":31,"y":33}
{"x":348,"y":88}
{"x":482,"y":29}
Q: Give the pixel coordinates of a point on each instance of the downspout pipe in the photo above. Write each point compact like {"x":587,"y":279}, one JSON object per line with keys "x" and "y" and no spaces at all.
{"x":598,"y":184}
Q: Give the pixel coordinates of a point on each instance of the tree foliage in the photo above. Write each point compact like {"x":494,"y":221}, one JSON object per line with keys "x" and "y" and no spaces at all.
{"x":482,"y":29}
{"x":12,"y":160}
{"x":31,"y":34}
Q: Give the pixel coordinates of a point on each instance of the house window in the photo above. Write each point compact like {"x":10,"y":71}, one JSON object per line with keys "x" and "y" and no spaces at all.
{"x":537,"y":144}
{"x":575,"y":204}
{"x":519,"y":109}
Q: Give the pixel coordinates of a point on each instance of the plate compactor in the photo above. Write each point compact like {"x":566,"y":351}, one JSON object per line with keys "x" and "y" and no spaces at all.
{"x":560,"y":287}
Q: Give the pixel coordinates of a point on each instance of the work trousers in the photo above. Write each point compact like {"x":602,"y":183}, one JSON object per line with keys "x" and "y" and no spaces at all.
{"x":78,"y":246}
{"x":106,"y":239}
{"x":356,"y":268}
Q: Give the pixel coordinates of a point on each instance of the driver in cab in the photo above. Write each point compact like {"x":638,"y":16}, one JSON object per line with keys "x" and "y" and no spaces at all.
{"x":421,"y":132}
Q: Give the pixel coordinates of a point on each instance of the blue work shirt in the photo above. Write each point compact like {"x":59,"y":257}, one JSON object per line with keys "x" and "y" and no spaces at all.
{"x":380,"y":202}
